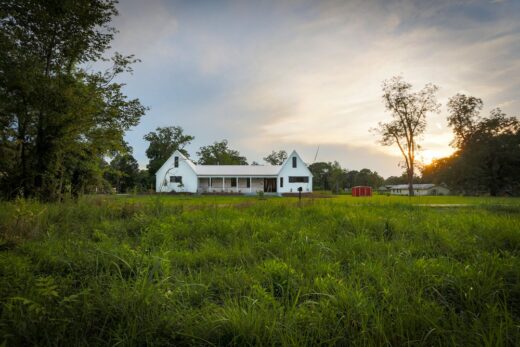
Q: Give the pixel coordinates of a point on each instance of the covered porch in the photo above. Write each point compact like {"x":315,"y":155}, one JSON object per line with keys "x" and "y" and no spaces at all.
{"x":236,"y":184}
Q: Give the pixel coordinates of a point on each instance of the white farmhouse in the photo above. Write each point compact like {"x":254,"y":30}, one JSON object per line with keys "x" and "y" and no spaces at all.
{"x":179,"y":174}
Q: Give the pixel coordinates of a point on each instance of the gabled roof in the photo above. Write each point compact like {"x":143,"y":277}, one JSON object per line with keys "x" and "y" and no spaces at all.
{"x":235,"y":170}
{"x":294,"y":153}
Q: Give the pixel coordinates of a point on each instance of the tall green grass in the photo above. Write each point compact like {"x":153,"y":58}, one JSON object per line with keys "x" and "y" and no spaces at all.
{"x":168,"y":270}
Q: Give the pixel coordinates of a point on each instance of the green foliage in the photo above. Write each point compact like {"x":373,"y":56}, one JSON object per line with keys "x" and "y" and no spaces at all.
{"x":163,"y":142}
{"x":488,"y":159}
{"x":463,"y":118}
{"x":58,"y":118}
{"x":123,"y":172}
{"x":176,"y":270}
{"x":331,"y":176}
{"x":408,"y":110}
{"x":220,"y":154}
{"x":276,"y":158}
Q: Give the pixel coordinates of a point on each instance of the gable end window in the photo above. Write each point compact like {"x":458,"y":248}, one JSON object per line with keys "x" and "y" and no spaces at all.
{"x":298,"y":179}
{"x":176,"y":164}
{"x":175,"y":179}
{"x":294,"y":162}
{"x":281,"y":182}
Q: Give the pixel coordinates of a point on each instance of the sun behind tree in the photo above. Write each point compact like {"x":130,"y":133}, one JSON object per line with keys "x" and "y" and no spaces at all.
{"x":408,"y":110}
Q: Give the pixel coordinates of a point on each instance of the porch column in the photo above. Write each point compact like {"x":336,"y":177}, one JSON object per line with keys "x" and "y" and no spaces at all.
{"x":237,"y":185}
{"x":223,"y":184}
{"x":209,"y":188}
{"x":250,"y":183}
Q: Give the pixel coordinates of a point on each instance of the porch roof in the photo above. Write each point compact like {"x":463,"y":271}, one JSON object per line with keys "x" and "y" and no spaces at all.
{"x":237,"y":170}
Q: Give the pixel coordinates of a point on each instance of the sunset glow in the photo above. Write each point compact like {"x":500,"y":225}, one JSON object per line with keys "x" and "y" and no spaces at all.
{"x":295,"y":75}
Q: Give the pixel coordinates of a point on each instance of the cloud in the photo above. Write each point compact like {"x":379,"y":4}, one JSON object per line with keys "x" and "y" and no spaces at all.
{"x":303,"y":73}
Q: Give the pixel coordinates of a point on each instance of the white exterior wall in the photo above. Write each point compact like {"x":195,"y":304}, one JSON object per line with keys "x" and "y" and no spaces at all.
{"x":191,"y":183}
{"x":287,"y":171}
{"x":189,"y":178}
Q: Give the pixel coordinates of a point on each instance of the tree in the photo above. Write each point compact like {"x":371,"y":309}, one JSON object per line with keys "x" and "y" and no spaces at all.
{"x":58,"y":118}
{"x":123,"y":172}
{"x":276,"y":157}
{"x":337,"y":177}
{"x":163,"y":142}
{"x":366,"y":177}
{"x":464,"y":115}
{"x":488,"y":162}
{"x":408,"y":110}
{"x":220,"y":154}
{"x":321,"y":175}
{"x":394,"y":180}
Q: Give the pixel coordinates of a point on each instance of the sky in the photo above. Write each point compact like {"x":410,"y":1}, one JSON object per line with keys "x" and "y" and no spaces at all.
{"x":270,"y":75}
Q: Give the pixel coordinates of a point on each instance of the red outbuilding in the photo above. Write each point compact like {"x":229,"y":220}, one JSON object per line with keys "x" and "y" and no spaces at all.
{"x":362,"y":191}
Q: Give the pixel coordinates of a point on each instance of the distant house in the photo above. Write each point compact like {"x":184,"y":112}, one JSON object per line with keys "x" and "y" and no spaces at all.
{"x":179,"y":174}
{"x":419,"y":189}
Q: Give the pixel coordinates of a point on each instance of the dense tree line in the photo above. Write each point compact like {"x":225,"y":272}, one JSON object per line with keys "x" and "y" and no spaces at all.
{"x":331,"y":176}
{"x":487,"y":156}
{"x":59,"y":120}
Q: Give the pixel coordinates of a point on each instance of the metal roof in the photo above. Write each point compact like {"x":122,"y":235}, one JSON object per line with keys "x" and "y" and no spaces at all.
{"x":237,"y":170}
{"x":415,"y":186}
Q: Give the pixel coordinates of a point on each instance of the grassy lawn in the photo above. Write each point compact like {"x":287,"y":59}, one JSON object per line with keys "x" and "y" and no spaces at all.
{"x":190,"y":270}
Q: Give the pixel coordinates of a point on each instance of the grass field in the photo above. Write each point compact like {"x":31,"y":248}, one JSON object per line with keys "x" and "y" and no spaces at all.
{"x":179,"y":270}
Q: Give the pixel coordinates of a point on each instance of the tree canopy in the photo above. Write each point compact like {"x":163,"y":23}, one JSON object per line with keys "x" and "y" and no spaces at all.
{"x":58,"y":118}
{"x":408,"y":110}
{"x":276,"y":157}
{"x":331,"y":176}
{"x":163,"y":142}
{"x":464,"y":115}
{"x":487,"y":160}
{"x":123,"y":171}
{"x":220,"y":154}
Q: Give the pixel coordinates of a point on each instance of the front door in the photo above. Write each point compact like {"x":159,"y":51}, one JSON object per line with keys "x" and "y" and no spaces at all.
{"x":270,"y":185}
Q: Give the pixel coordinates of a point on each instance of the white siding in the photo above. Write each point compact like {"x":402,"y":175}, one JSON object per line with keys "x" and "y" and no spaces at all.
{"x":189,"y":178}
{"x":288,"y":171}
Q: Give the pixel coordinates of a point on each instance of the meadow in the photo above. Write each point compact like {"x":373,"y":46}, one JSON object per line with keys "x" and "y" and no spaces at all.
{"x":208,"y":270}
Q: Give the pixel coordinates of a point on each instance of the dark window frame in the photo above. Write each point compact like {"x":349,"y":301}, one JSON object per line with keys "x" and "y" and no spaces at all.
{"x":294,"y":162}
{"x":281,"y":182}
{"x":234,"y":182}
{"x":176,"y":162}
{"x":248,"y":183}
{"x":298,"y":179}
{"x":176,"y":179}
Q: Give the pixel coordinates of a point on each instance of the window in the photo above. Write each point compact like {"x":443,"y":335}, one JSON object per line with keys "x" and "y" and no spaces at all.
{"x":298,"y":179}
{"x":175,"y":179}
{"x":233,"y":182}
{"x":248,"y":183}
{"x":281,"y":182}
{"x":176,"y":162}
{"x":294,"y":162}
